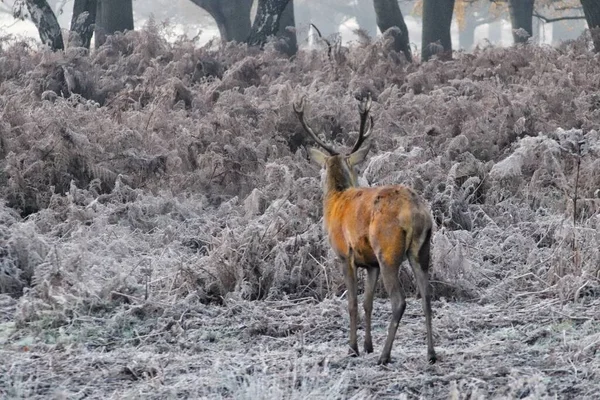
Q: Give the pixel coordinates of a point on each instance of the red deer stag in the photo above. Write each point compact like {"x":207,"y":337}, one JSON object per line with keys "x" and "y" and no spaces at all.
{"x":375,"y":228}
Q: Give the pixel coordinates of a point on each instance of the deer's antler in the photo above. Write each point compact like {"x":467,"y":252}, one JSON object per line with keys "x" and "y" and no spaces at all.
{"x":299,"y":110}
{"x":364,"y":108}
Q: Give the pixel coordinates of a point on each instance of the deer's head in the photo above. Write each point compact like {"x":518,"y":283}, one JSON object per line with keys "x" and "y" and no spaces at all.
{"x":340,"y":168}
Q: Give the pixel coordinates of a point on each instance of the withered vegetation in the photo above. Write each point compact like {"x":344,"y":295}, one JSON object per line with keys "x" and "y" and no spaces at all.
{"x":160,"y":227}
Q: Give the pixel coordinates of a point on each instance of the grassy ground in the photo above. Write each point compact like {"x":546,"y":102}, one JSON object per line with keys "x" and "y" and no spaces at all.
{"x":296,"y":349}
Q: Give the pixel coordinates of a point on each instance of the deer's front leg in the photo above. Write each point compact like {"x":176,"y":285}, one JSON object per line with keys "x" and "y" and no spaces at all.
{"x":351,"y":286}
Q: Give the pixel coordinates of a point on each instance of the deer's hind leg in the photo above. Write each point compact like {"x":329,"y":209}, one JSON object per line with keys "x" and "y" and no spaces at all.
{"x":390,"y":257}
{"x":419,"y":261}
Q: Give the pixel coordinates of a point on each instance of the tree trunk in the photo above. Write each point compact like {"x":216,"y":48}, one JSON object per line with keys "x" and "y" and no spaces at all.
{"x":233,"y":20}
{"x":82,"y":23}
{"x":437,"y":18}
{"x":112,"y":16}
{"x":591,"y":9}
{"x":232,"y":17}
{"x":388,"y":16}
{"x":521,"y":17}
{"x":46,"y":23}
{"x":289,"y":42}
{"x":266,"y":22}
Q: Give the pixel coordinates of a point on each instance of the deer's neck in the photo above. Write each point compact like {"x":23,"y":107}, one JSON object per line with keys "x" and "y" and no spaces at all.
{"x":339,"y":178}
{"x":333,"y":187}
{"x":336,"y":183}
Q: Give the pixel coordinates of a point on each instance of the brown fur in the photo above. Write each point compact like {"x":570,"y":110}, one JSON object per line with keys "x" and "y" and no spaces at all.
{"x":376,"y":228}
{"x":368,"y":221}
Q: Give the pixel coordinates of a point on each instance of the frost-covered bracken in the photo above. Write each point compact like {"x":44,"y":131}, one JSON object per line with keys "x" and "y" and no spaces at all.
{"x":151,"y":192}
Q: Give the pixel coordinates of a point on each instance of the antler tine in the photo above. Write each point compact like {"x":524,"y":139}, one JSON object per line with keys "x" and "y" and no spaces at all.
{"x":299,"y":110}
{"x":364,"y":108}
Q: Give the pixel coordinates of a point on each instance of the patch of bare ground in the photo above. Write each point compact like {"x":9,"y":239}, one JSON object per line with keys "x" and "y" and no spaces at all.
{"x":297,"y":349}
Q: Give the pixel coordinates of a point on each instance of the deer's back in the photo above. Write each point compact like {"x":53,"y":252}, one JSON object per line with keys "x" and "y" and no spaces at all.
{"x":375,"y":219}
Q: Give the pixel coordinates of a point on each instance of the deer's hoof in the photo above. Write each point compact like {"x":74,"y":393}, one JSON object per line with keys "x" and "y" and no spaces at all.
{"x":383,"y":360}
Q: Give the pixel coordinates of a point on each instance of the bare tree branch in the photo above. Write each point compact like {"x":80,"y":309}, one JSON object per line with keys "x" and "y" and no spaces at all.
{"x":556,"y":19}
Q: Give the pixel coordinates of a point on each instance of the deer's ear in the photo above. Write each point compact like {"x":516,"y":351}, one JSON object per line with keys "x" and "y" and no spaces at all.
{"x":358,"y":156}
{"x":317,"y":156}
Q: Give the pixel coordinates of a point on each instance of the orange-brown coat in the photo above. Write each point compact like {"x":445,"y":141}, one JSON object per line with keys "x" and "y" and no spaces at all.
{"x":375,"y":221}
{"x":376,"y":228}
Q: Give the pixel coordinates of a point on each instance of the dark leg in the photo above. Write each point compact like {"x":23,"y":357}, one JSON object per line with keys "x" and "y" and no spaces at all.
{"x":389,"y":273}
{"x":420,"y":267}
{"x":371,"y":282}
{"x":351,"y":286}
